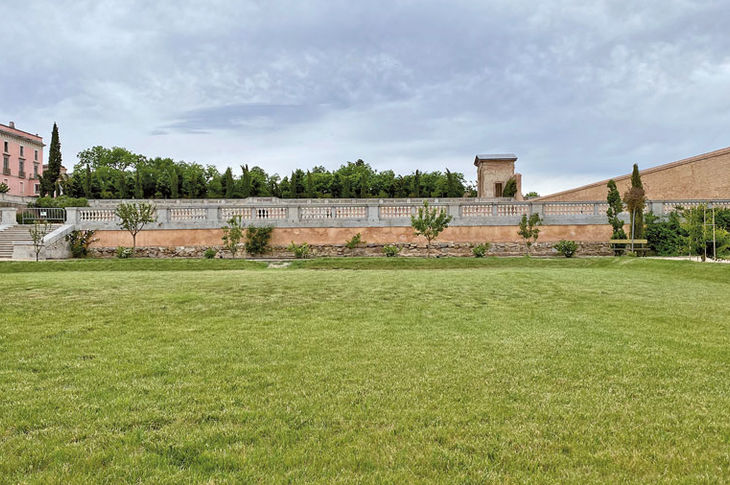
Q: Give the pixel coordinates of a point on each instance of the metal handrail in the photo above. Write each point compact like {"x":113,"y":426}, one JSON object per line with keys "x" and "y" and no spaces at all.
{"x":48,"y":214}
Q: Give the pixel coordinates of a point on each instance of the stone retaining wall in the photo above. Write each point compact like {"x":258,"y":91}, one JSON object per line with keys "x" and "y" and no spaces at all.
{"x":340,"y":250}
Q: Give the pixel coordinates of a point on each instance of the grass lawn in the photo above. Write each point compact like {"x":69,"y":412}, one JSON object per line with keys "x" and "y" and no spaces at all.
{"x":457,"y":370}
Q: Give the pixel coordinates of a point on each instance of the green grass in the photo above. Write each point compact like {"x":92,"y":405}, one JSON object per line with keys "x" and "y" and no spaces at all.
{"x":460,"y":370}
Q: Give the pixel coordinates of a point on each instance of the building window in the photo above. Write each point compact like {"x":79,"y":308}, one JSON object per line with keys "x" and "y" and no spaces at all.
{"x":37,"y":188}
{"x":498,"y":189}
{"x":21,"y":151}
{"x":5,"y":147}
{"x":6,"y":165}
{"x":35,"y":170}
{"x":22,"y":188}
{"x":21,"y":168}
{"x":35,"y":155}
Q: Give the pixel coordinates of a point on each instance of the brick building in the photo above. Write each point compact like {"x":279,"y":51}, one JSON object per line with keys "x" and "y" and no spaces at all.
{"x":705,"y":176}
{"x":22,"y":160}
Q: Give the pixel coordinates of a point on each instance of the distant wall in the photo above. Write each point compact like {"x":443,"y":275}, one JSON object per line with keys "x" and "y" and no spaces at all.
{"x":338,"y":235}
{"x":705,"y":176}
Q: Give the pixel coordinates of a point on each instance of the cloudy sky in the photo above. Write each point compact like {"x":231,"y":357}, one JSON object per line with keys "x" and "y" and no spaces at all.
{"x":578,"y":90}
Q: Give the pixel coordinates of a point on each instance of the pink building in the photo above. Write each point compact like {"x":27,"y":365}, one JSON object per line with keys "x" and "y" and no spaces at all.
{"x":22,"y":160}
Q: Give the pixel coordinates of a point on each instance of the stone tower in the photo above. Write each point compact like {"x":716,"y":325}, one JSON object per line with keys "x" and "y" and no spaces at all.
{"x":493,"y":172}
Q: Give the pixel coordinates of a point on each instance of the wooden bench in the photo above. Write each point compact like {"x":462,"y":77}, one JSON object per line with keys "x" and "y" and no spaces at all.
{"x":640,"y":245}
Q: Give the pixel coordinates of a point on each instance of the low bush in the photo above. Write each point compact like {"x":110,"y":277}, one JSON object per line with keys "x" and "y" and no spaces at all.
{"x":4,"y":188}
{"x":480,"y":250}
{"x":79,"y":241}
{"x":209,"y":253}
{"x":390,"y":250}
{"x":62,"y":201}
{"x":257,"y":239}
{"x":666,"y":237}
{"x":124,"y":253}
{"x":355,"y":241}
{"x":566,"y":248}
{"x":301,"y":251}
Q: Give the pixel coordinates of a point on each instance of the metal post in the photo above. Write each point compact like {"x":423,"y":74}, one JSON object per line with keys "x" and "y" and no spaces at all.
{"x":633,"y":222}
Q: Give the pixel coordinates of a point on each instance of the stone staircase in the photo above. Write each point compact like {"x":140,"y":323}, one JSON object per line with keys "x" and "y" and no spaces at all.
{"x":16,"y":233}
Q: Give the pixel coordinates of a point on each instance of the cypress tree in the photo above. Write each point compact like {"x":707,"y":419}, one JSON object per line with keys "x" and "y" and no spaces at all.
{"x":615,"y":207}
{"x":50,"y":176}
{"x":229,"y":184}
{"x":635,"y":202}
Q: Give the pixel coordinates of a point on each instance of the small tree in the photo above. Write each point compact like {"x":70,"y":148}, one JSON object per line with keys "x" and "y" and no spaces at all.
{"x":232,"y":234}
{"x":615,"y":207}
{"x":530,"y":229}
{"x":38,"y":233}
{"x":430,"y":223}
{"x":134,"y":216}
{"x":257,"y":239}
{"x":635,"y":199}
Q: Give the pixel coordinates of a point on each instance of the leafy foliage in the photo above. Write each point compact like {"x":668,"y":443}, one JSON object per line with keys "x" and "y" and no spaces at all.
{"x":232,"y":235}
{"x":105,"y":173}
{"x":257,"y":239}
{"x":615,"y":207}
{"x":79,"y":242}
{"x":301,"y":251}
{"x":635,"y":199}
{"x":429,"y":223}
{"x":355,"y":241}
{"x":124,"y":252}
{"x":697,"y":226}
{"x":480,"y":250}
{"x":134,"y":216}
{"x":209,"y":253}
{"x":566,"y":248}
{"x":50,"y":180}
{"x":4,"y":188}
{"x":391,"y":250}
{"x":666,"y":237}
{"x":62,"y":201}
{"x":510,"y":188}
{"x":532,"y":195}
{"x":530,"y":229}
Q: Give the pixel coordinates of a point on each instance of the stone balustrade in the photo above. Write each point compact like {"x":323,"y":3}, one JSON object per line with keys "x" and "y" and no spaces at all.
{"x":206,"y":214}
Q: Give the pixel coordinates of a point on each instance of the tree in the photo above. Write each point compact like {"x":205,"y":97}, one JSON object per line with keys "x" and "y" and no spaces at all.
{"x":228,"y":184}
{"x":38,"y":233}
{"x":133,"y":217}
{"x":510,"y":188}
{"x":50,"y":176}
{"x":532,"y":195}
{"x":615,"y":207}
{"x":232,"y":234}
{"x":430,"y":223}
{"x":635,"y":199}
{"x":699,"y":232}
{"x":530,"y":229}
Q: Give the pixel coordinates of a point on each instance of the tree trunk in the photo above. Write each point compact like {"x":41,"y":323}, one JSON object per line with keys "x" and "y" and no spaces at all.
{"x":134,"y":243}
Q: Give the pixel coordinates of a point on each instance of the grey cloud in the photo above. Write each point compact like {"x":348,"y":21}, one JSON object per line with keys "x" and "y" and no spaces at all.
{"x":577,"y":88}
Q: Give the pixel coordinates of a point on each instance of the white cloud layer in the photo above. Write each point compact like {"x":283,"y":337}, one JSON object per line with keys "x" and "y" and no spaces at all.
{"x":578,"y":90}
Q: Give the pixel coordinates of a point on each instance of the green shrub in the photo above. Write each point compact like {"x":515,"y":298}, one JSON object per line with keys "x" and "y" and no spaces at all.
{"x":79,"y":241}
{"x":4,"y":188}
{"x":124,"y":253}
{"x":209,"y":253}
{"x":666,"y":237}
{"x":61,"y":201}
{"x":301,"y":251}
{"x":567,"y":248}
{"x":391,"y":250}
{"x":480,"y":250}
{"x":355,"y":241}
{"x":257,"y":239}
